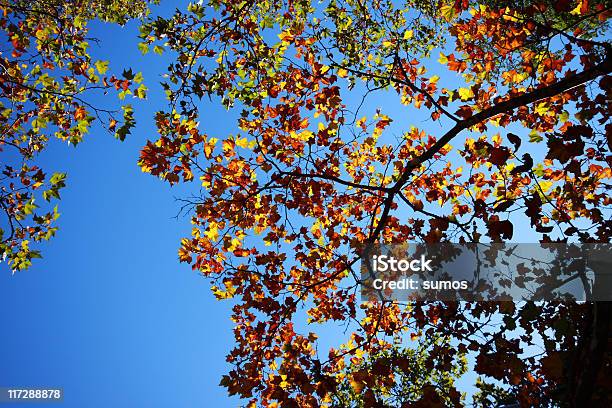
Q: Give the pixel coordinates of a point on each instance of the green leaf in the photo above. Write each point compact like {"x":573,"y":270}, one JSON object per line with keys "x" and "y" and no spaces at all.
{"x":534,"y":136}
{"x":143,"y":47}
{"x":101,"y":66}
{"x":29,"y":208}
{"x":138,"y":78}
{"x":58,"y":179}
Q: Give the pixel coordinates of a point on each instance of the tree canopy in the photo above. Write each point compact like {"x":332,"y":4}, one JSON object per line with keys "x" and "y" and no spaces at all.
{"x":495,"y":122}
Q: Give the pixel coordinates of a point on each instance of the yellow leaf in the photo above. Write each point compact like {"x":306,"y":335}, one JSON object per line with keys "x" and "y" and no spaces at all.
{"x":212,"y":233}
{"x":361,"y":122}
{"x":234,"y":244}
{"x":443,"y":60}
{"x":304,"y":136}
{"x":242,"y":142}
{"x":510,"y":18}
{"x":408,"y":34}
{"x":576,"y":11}
{"x":466,"y":93}
{"x":541,"y":109}
{"x":230,"y":287}
{"x":545,"y":185}
{"x":448,"y":12}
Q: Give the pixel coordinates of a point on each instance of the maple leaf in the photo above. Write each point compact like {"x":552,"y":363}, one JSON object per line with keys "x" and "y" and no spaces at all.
{"x":499,"y":155}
